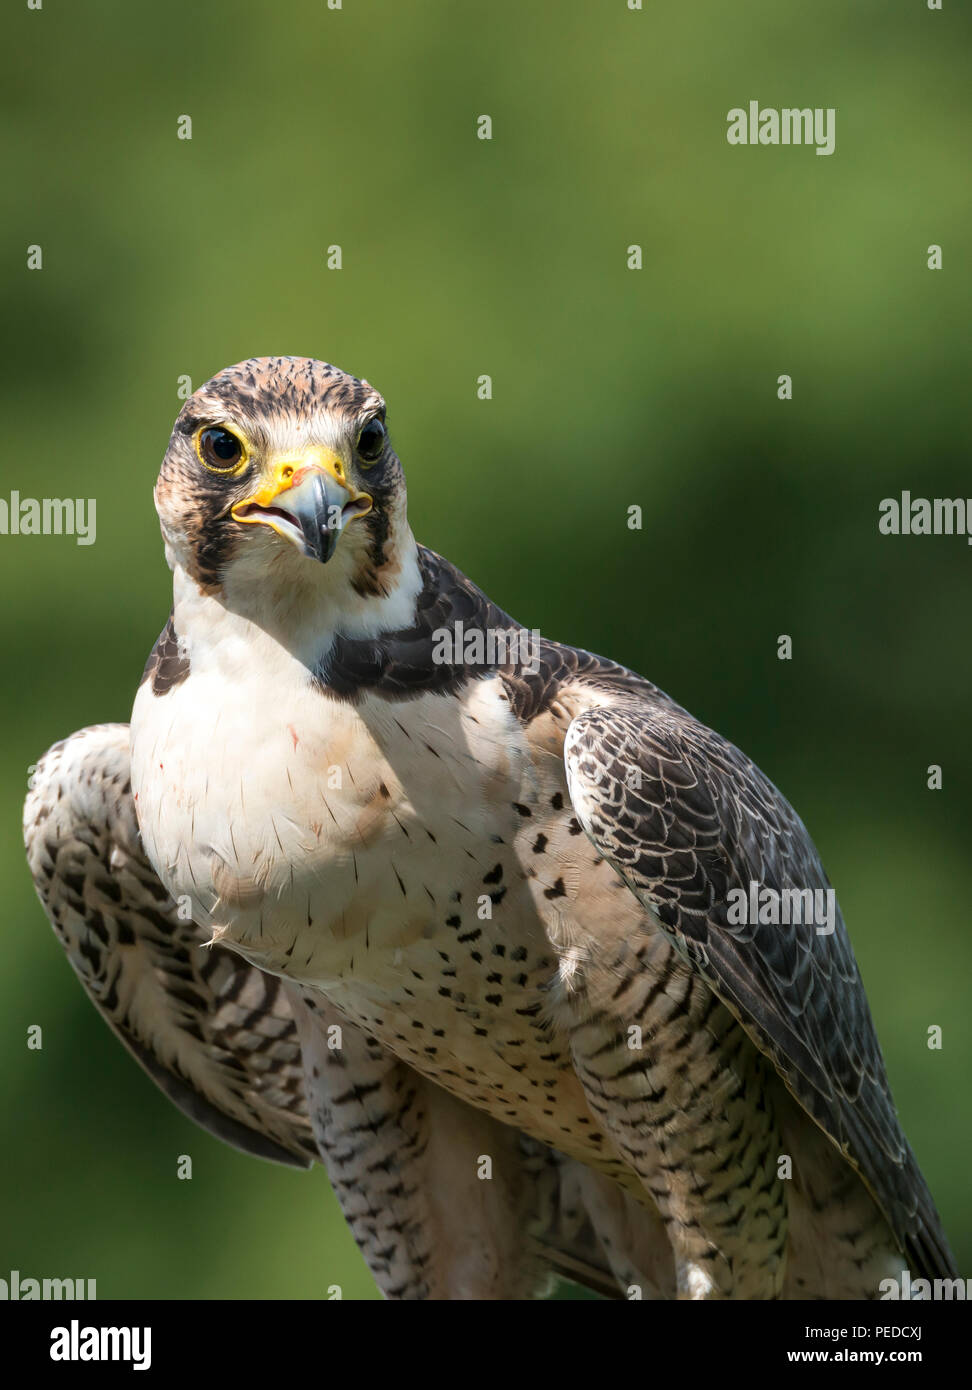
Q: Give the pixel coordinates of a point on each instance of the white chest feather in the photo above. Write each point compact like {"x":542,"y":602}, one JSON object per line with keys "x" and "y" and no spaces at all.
{"x":298,"y":826}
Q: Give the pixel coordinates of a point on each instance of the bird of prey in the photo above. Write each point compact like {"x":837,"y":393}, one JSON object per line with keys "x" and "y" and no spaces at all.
{"x":379,"y":877}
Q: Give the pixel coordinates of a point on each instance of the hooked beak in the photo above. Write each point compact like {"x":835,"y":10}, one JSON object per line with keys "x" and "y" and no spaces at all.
{"x":309,"y":501}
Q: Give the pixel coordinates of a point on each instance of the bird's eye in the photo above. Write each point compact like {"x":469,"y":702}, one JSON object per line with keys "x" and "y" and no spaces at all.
{"x":220,"y":451}
{"x":371,"y":441}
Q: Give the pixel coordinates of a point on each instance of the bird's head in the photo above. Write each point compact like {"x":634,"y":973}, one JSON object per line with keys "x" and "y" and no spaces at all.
{"x":283,"y":462}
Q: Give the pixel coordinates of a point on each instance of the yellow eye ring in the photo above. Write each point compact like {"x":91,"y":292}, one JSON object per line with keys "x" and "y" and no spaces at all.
{"x":219,"y":450}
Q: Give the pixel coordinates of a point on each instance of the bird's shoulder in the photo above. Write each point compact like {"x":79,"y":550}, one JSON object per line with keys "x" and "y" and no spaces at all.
{"x":457,"y":635}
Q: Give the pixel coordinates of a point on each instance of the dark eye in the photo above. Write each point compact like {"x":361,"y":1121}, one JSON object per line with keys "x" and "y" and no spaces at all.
{"x":219,"y":450}
{"x":371,"y":441}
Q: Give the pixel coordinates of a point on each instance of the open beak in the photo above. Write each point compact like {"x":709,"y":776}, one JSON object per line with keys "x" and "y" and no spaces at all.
{"x":309,"y":500}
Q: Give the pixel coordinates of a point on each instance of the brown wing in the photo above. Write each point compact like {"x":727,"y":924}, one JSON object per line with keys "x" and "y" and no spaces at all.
{"x":685,"y":817}
{"x":214,"y":1033}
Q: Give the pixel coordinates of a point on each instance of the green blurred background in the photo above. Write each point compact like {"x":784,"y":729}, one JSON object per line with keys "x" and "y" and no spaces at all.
{"x":611,"y":387}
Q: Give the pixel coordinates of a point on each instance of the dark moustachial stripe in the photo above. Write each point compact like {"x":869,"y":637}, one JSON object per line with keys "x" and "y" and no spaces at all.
{"x":369,"y":582}
{"x":167,"y":665}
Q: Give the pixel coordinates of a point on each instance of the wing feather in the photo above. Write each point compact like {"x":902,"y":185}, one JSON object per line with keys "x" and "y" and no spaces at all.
{"x":215,"y":1034}
{"x":684,"y":817}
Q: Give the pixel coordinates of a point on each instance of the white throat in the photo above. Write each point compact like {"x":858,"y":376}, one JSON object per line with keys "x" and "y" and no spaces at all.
{"x":275,"y":605}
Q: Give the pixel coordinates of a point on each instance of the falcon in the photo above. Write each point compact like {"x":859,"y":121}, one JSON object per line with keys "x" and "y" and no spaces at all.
{"x":464,"y":921}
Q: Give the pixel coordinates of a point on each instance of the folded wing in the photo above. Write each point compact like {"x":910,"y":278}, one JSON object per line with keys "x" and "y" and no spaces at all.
{"x":684,"y":817}
{"x":213,"y":1032}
